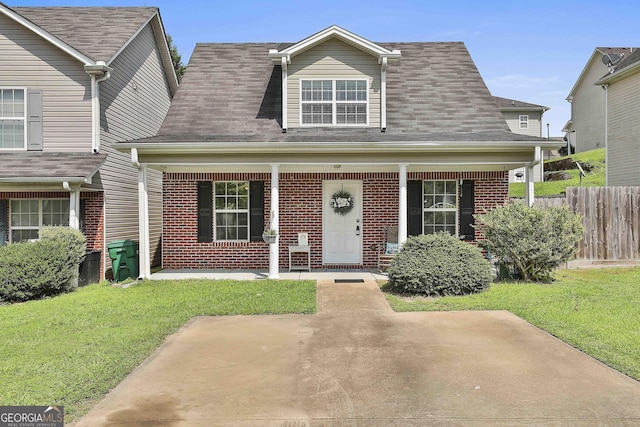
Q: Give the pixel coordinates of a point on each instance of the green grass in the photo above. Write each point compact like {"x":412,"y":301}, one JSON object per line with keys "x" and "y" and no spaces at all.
{"x":596,"y":311}
{"x":595,"y":178}
{"x":72,"y":349}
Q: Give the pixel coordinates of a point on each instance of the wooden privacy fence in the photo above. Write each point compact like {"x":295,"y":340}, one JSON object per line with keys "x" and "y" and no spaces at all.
{"x":611,"y":219}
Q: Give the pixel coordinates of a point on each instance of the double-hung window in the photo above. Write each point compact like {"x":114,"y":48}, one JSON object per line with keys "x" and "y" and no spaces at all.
{"x":231,"y":211}
{"x":524,"y":121}
{"x":440,"y":206}
{"x":28,"y":216}
{"x":12,"y":118}
{"x":334,"y":102}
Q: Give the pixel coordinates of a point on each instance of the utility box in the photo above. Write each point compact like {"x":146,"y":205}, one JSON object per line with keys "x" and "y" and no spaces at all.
{"x":90,"y":268}
{"x":124,"y":259}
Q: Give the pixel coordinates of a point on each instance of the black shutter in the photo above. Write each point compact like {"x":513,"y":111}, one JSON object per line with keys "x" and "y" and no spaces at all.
{"x":414,"y":208}
{"x":205,"y":212}
{"x":256,"y":210}
{"x":466,"y":210}
{"x":3,"y":222}
{"x":34,"y":120}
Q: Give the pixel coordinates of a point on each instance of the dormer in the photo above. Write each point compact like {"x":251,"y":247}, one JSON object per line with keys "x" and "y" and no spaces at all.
{"x":334,"y":78}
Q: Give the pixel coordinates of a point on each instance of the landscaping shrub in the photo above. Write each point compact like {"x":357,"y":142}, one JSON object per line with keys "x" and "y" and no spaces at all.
{"x":437,"y":265}
{"x":30,"y":270}
{"x":532,"y":241}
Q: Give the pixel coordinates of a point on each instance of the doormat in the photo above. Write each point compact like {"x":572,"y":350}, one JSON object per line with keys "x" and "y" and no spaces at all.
{"x":348,"y":280}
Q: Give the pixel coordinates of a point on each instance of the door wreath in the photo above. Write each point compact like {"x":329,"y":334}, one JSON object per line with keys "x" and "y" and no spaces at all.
{"x":342,"y":202}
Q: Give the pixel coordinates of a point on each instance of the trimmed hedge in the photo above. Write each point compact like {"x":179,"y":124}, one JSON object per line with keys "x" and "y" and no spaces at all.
{"x":31,"y":270}
{"x":438,"y":265}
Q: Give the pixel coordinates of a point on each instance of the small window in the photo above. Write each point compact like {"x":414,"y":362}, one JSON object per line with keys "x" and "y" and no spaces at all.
{"x":231,"y":211}
{"x":440,"y":206}
{"x":28,"y":216}
{"x":524,"y":122}
{"x":333,"y":102}
{"x":12,"y":119}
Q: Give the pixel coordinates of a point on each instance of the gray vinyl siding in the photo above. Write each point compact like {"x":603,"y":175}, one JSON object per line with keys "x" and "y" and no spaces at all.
{"x":333,"y":59}
{"x":624,"y":132}
{"x":31,"y":62}
{"x":513,"y":120}
{"x":134,"y":102}
{"x":588,"y":109}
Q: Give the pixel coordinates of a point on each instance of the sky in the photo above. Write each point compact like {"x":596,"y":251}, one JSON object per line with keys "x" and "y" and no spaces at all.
{"x":530,"y":51}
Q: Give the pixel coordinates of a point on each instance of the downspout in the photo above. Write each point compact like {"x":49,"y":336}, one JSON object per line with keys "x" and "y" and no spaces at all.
{"x":99,"y":73}
{"x":606,"y":134}
{"x":383,"y":93}
{"x":285,"y":103}
{"x":144,"y":244}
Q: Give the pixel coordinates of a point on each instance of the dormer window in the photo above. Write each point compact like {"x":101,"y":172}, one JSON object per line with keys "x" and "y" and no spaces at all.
{"x":334,"y":102}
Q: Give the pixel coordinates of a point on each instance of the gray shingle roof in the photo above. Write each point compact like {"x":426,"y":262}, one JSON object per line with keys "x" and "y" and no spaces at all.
{"x":97,"y":32}
{"x":232,"y":92}
{"x":32,"y":166}
{"x":513,"y":104}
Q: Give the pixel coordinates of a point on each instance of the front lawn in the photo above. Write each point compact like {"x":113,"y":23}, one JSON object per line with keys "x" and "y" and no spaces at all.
{"x":597,"y":311}
{"x":72,"y":349}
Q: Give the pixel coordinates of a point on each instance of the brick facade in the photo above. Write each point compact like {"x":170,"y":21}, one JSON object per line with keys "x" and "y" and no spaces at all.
{"x":300,"y":211}
{"x":94,"y":216}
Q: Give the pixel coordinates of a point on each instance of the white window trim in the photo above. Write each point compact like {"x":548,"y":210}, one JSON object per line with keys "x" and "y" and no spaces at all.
{"x":523,"y":119}
{"x":40,"y":216}
{"x":24,"y":118}
{"x":334,"y":102}
{"x":456,"y":210}
{"x":247,"y":211}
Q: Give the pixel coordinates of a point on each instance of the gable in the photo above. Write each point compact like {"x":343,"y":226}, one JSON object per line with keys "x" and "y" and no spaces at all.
{"x":333,"y":59}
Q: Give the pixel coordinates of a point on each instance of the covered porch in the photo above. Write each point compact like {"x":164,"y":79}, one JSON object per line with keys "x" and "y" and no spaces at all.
{"x":280,"y":164}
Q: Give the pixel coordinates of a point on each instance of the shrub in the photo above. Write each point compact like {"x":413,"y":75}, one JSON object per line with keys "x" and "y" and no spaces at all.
{"x":439,"y":264}
{"x":31,"y":270}
{"x":533,"y":241}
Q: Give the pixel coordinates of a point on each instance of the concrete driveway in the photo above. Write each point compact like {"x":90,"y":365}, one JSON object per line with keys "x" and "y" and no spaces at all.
{"x":356,"y":363}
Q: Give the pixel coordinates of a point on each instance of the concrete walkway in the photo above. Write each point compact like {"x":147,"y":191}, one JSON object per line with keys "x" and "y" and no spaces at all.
{"x":356,"y":363}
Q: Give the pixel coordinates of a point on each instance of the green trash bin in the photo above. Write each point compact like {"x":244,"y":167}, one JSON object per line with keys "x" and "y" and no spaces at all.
{"x":124,"y":259}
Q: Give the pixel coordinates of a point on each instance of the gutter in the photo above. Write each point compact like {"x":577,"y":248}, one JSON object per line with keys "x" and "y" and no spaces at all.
{"x":99,"y":73}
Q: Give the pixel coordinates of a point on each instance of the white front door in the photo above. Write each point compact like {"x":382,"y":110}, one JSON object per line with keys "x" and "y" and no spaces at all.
{"x":342,"y":230}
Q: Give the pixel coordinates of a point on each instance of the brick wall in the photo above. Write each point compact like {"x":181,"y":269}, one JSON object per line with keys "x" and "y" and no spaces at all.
{"x":301,"y":211}
{"x":94,"y":215}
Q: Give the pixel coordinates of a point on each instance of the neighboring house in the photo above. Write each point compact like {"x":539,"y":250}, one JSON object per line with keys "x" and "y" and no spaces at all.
{"x":73,"y":81}
{"x":525,"y":119}
{"x":334,"y":136}
{"x":622,"y":109}
{"x":585,"y":130}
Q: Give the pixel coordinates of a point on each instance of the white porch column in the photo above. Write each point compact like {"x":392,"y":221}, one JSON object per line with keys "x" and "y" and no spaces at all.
{"x":143,"y":224}
{"x":402,"y":205}
{"x":274,"y":250}
{"x":74,"y":209}
{"x":529,"y":185}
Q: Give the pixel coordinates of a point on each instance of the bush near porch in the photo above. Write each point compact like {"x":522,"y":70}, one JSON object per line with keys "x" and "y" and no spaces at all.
{"x":47,"y":267}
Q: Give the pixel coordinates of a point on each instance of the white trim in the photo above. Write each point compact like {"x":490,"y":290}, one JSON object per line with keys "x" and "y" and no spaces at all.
{"x":45,"y":35}
{"x":383,"y":94}
{"x":456,"y":210}
{"x":246,"y":211}
{"x":24,"y":117}
{"x":334,"y":31}
{"x":526,"y":121}
{"x":285,"y":94}
{"x":334,"y":102}
{"x":402,"y":205}
{"x":144,"y":271}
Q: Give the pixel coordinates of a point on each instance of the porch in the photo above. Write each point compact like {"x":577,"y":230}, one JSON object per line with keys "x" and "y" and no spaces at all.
{"x":284,"y":274}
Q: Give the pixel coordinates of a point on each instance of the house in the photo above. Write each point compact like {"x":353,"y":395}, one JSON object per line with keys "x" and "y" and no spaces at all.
{"x":334,"y":136}
{"x":585,"y":130}
{"x":622,"y":111}
{"x":73,"y":81}
{"x":526,"y":119}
